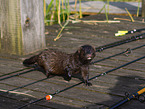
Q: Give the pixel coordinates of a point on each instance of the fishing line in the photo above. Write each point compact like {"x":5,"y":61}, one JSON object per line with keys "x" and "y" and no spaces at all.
{"x":95,"y":77}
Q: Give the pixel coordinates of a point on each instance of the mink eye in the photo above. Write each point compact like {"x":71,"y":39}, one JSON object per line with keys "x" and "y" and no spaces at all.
{"x":88,"y":52}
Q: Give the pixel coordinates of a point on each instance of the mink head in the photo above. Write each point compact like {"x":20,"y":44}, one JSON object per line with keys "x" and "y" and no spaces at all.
{"x":86,"y":54}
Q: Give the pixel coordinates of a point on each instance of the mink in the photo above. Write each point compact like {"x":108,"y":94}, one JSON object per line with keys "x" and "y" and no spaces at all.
{"x":57,"y":62}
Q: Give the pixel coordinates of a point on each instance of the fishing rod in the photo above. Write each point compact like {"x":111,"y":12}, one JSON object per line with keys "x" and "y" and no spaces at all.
{"x":133,"y":38}
{"x":46,"y":78}
{"x":24,"y":85}
{"x":18,"y":74}
{"x":129,"y":97}
{"x":98,"y":49}
{"x":14,"y":72}
{"x":121,"y":33}
{"x":130,"y":39}
{"x":124,"y":52}
{"x":91,"y":63}
{"x":48,"y":97}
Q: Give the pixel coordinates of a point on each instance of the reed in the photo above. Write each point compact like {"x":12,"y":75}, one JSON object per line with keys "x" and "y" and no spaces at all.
{"x":63,"y":27}
{"x":67,"y":7}
{"x":137,"y":14}
{"x":58,"y":11}
{"x":129,"y":15}
{"x":80,"y":9}
{"x":63,"y":11}
{"x":106,"y":8}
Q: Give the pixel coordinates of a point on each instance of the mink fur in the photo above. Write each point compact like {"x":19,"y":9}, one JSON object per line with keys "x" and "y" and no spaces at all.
{"x":57,"y":62}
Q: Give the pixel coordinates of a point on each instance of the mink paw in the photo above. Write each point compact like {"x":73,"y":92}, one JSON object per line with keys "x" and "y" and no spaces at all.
{"x":88,"y":83}
{"x":67,"y":78}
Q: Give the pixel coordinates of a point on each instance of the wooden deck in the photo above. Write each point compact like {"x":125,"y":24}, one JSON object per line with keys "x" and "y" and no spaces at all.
{"x":105,"y":91}
{"x":93,"y":7}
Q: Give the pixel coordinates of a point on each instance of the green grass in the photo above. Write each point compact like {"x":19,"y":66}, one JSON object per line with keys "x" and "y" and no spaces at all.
{"x":114,"y":0}
{"x":56,"y":12}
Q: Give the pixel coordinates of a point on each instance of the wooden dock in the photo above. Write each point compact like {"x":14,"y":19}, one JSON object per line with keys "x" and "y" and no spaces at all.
{"x":105,"y":91}
{"x":93,"y":7}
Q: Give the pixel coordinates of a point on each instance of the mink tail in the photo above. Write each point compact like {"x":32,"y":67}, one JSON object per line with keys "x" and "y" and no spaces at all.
{"x":30,"y":61}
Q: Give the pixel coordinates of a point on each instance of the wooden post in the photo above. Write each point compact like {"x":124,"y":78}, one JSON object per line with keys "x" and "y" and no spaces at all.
{"x":143,"y":8}
{"x":21,"y":26}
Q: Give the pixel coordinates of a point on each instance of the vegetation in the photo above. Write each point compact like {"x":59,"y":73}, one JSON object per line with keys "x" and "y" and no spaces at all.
{"x":58,"y":11}
{"x":115,"y":0}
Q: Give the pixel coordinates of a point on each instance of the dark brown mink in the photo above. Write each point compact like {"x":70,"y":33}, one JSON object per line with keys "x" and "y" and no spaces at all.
{"x":57,"y":62}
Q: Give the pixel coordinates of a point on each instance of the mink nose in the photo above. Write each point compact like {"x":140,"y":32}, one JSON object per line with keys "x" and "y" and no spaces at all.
{"x":89,"y":56}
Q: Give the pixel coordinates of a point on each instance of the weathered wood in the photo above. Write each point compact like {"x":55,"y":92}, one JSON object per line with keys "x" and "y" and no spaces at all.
{"x":105,"y":91}
{"x":21,"y":26}
{"x":143,"y":8}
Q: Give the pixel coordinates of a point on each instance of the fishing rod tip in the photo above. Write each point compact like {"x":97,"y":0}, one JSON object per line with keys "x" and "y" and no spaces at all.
{"x":121,"y":33}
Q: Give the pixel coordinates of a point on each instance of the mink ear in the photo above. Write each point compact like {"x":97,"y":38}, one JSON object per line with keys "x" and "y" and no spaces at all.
{"x":79,"y":50}
{"x":94,"y":48}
